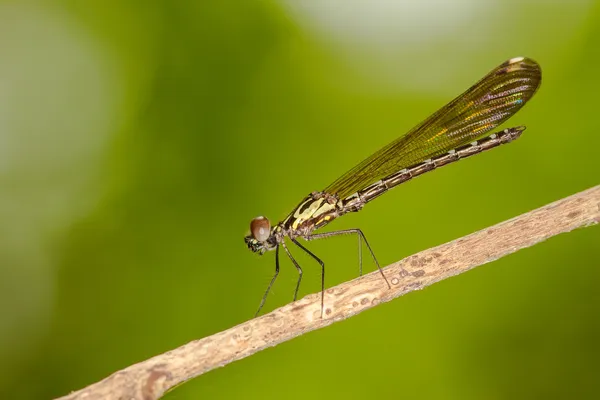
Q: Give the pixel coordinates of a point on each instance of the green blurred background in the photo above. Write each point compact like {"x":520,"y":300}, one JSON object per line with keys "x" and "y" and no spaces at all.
{"x":138,"y":139}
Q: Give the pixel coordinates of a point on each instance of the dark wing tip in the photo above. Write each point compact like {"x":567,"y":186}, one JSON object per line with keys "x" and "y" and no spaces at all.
{"x":523,"y":62}
{"x":524,"y":67}
{"x":520,"y":64}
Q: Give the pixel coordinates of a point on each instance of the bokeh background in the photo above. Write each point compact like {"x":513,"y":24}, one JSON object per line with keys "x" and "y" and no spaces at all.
{"x":138,"y":139}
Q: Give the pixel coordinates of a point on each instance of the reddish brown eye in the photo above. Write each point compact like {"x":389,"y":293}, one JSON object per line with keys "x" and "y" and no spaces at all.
{"x":260,"y":228}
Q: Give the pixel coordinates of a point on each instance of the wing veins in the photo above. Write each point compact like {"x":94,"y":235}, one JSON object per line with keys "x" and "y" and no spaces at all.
{"x":485,"y":105}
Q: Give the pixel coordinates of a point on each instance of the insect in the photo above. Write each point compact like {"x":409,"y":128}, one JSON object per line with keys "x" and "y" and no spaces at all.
{"x":454,"y":132}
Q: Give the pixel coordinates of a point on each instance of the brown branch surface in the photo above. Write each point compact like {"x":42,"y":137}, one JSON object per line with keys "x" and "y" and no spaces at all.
{"x":150,"y":379}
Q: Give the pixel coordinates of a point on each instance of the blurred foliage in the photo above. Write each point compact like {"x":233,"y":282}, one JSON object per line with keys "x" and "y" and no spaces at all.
{"x":138,"y":139}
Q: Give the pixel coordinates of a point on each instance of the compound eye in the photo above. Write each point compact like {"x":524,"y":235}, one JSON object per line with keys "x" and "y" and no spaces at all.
{"x":260,"y":228}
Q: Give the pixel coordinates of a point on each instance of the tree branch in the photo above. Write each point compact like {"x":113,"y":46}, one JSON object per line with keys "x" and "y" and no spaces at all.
{"x":150,"y":379}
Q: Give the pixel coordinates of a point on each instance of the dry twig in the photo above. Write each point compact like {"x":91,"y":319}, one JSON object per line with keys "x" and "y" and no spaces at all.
{"x":151,"y":378}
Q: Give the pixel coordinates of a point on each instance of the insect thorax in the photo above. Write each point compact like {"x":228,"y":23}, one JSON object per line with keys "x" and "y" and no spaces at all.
{"x":314,"y":211}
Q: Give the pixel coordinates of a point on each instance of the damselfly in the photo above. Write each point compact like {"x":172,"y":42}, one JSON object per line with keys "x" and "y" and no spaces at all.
{"x":452,"y":133}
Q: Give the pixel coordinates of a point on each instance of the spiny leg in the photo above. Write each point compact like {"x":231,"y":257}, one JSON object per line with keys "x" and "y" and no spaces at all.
{"x":360,"y":234}
{"x":262,"y":302}
{"x":359,"y":255}
{"x":297,"y":267}
{"x":322,"y":272}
